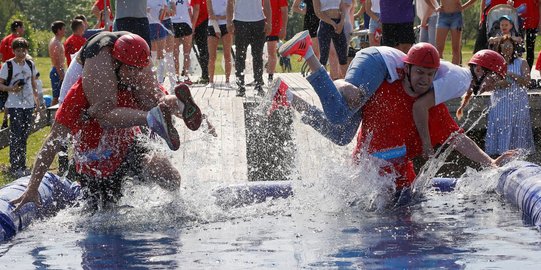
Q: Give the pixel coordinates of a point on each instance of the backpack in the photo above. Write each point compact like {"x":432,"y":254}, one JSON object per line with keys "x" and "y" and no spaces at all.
{"x":10,"y":75}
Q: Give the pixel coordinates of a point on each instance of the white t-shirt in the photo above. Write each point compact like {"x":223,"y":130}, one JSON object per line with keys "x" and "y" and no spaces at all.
{"x":248,"y":11}
{"x":219,"y":9}
{"x":153,"y":10}
{"x":329,"y":4}
{"x":375,"y":6}
{"x":421,"y":8}
{"x":183,"y":12}
{"x":74,"y":72}
{"x":23,"y":99}
{"x":451,"y":81}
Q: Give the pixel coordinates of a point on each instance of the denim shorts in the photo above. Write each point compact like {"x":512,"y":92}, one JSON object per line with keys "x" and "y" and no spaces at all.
{"x":157,"y":31}
{"x":374,"y":25}
{"x":367,"y":70}
{"x":451,"y":21}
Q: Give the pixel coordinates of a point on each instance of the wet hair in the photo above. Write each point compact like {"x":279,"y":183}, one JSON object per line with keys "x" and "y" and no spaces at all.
{"x":507,"y":38}
{"x":76,"y":24}
{"x":20,"y":43}
{"x":16,"y":24}
{"x":56,"y":26}
{"x":80,"y":17}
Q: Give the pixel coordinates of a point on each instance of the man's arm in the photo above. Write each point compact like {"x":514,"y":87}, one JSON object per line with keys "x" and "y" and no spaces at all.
{"x":44,"y":159}
{"x":420,"y":117}
{"x":283,"y":31}
{"x":195,"y":14}
{"x":467,"y":147}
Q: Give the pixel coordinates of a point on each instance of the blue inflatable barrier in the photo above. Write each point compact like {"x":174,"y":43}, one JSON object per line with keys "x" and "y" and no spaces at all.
{"x":521,"y":185}
{"x":55,"y":193}
{"x":261,"y":191}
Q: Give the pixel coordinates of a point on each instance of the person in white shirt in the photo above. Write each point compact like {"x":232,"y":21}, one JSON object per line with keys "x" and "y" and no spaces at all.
{"x":182,"y":29}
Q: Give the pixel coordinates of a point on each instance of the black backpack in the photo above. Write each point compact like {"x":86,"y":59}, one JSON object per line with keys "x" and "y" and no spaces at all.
{"x":10,"y":75}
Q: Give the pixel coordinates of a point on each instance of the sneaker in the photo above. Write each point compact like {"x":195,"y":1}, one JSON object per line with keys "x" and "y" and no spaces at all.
{"x":192,"y":114}
{"x":203,"y":81}
{"x":279,"y":91}
{"x":187,"y":81}
{"x":210,"y":85}
{"x":159,"y":120}
{"x":298,"y":44}
{"x":259,"y":89}
{"x":241,"y":91}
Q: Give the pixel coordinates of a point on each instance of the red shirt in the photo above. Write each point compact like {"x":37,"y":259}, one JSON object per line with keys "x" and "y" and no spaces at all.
{"x":99,"y":5}
{"x":98,"y":152}
{"x":72,"y":45}
{"x":276,"y":7}
{"x":531,"y":15}
{"x":5,"y":47}
{"x":388,"y":117}
{"x":203,"y":12}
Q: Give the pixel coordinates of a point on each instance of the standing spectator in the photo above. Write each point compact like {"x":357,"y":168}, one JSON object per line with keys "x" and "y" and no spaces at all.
{"x":508,"y":123}
{"x":56,"y":53}
{"x":426,"y":11}
{"x":182,"y":28}
{"x":331,"y":28}
{"x":450,"y":19}
{"x":250,"y":22}
{"x":279,"y":29}
{"x":131,"y":16}
{"x":22,"y":99}
{"x":6,"y":53}
{"x":311,"y":21}
{"x":74,"y":42}
{"x":217,"y":29}
{"x":39,"y":89}
{"x":397,"y":24}
{"x":374,"y":28}
{"x":200,"y":22}
{"x":98,"y":10}
{"x":158,"y":33}
{"x":365,"y":16}
{"x":169,"y":42}
{"x":531,"y":24}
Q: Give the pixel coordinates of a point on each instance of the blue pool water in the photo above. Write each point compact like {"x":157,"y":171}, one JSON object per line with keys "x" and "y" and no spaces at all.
{"x":470,"y":228}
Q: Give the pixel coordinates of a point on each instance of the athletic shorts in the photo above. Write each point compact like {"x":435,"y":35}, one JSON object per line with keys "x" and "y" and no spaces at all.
{"x":56,"y":83}
{"x":273,"y":38}
{"x":311,"y":23}
{"x":182,"y":30}
{"x":167,"y":24}
{"x":157,"y":31}
{"x":451,"y":21}
{"x":109,"y":188}
{"x":397,"y":33}
{"x":212,"y":33}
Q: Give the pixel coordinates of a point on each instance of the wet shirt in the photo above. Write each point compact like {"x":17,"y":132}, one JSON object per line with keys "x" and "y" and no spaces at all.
{"x":98,"y":152}
{"x":388,"y":121}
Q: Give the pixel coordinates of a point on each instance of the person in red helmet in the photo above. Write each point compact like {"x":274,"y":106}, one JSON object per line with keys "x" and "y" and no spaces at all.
{"x":105,"y":155}
{"x":103,"y":57}
{"x":382,"y":85}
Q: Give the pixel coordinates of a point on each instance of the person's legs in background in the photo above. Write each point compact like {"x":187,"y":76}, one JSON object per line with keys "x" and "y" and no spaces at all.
{"x":20,"y":122}
{"x":200,"y":40}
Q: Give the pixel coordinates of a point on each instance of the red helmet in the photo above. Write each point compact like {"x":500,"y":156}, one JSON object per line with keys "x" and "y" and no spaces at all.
{"x":132,"y":50}
{"x":424,"y":55}
{"x":490,"y":60}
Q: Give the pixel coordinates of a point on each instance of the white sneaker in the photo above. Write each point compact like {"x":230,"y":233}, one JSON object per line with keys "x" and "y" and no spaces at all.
{"x":159,"y":120}
{"x":210,"y":85}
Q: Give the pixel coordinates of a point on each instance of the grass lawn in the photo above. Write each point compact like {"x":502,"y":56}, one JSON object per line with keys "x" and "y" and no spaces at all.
{"x":43,"y":65}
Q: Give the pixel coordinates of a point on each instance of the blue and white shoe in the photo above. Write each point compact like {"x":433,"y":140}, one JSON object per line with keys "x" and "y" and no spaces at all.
{"x":159,"y":120}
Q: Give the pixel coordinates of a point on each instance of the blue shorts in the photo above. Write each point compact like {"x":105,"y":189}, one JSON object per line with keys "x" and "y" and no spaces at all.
{"x":373,"y":25}
{"x":157,"y":31}
{"x":56,"y":83}
{"x":451,"y":21}
{"x":367,"y":71}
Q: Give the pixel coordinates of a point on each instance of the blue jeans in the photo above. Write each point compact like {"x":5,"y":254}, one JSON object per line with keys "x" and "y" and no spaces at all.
{"x":429,"y":34}
{"x":338,"y":122}
{"x":20,"y":121}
